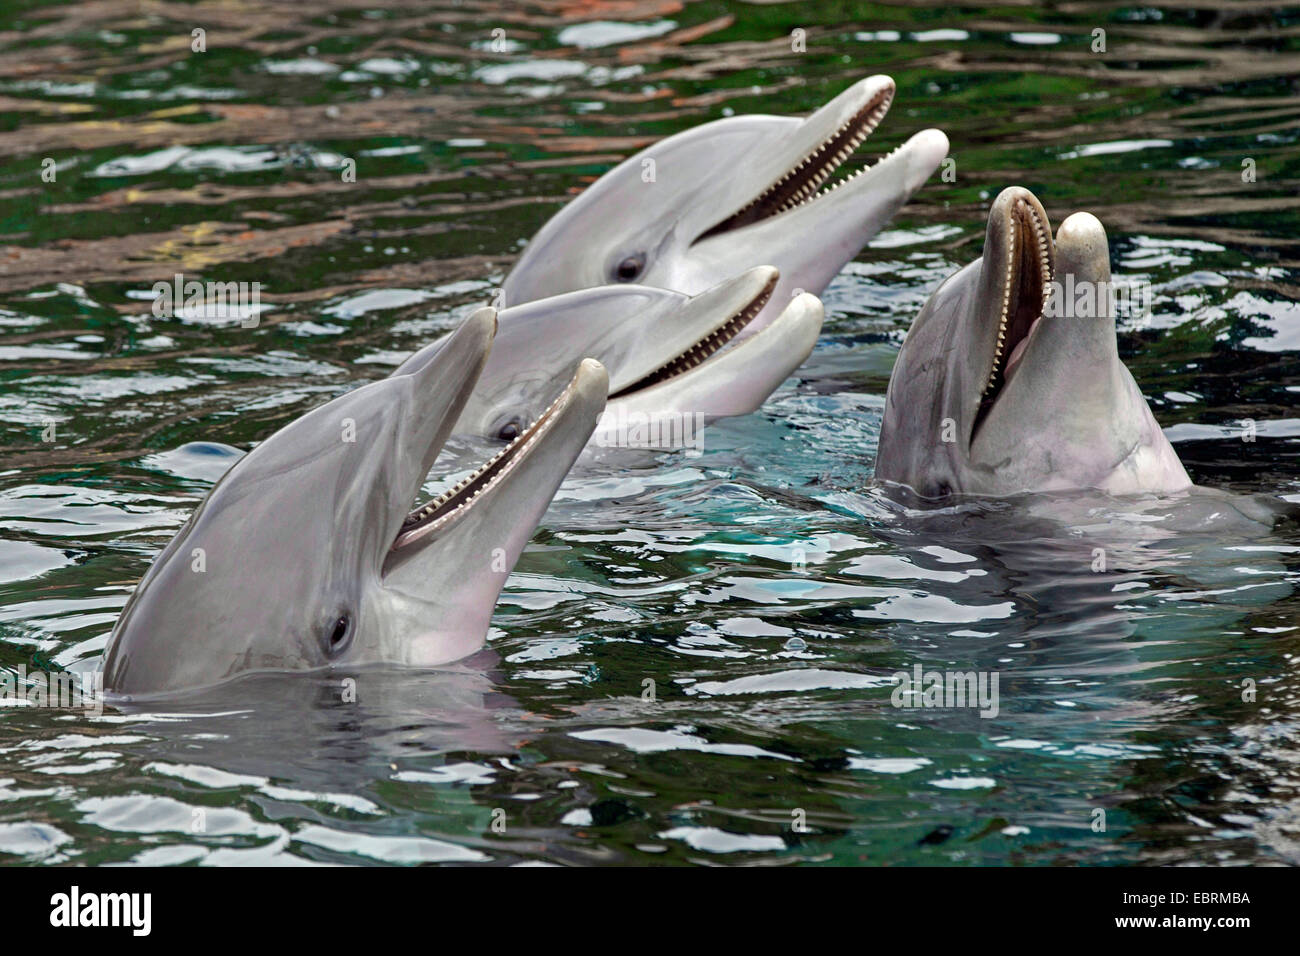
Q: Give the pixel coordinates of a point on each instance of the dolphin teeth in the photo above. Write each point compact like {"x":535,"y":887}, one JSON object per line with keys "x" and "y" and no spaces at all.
{"x":801,"y":183}
{"x":1042,"y":243}
{"x":706,"y":348}
{"x":454,"y":500}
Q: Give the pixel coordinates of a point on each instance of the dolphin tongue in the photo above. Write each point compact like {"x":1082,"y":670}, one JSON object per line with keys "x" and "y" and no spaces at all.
{"x":1014,"y":358}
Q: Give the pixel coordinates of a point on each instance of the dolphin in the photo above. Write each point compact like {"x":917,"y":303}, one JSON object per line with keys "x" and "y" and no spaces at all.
{"x":666,"y":353}
{"x":306,"y":554}
{"x":737,"y":192}
{"x":1007,"y":385}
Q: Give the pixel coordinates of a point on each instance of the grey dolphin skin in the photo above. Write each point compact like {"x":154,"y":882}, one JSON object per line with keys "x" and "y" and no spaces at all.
{"x":666,"y":353}
{"x":306,"y":555}
{"x":722,"y":197}
{"x":1008,"y":384}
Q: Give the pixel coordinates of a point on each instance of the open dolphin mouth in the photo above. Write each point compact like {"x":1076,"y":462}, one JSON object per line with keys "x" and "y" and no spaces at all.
{"x":705,"y":348}
{"x":1025,"y":273}
{"x":804,"y":181}
{"x":454,"y":503}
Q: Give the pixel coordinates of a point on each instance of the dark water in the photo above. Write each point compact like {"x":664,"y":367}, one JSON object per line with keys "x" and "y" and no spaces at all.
{"x":763,"y":588}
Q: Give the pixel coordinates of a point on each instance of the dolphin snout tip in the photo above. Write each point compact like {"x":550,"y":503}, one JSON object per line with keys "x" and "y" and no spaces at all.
{"x":1082,"y":248}
{"x":1081,"y":226}
{"x":808,"y":304}
{"x":802,"y":322}
{"x":875,"y":90}
{"x":591,"y":378}
{"x":482,"y":323}
{"x":875,"y":82}
{"x":933,"y":141}
{"x":1011,"y":194}
{"x":926,"y":150}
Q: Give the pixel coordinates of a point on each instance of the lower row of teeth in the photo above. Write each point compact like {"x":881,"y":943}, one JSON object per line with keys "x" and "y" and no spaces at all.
{"x":1045,"y":270}
{"x":432,"y":507}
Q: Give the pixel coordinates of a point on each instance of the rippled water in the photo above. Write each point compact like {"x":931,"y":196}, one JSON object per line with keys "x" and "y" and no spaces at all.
{"x":764,"y":587}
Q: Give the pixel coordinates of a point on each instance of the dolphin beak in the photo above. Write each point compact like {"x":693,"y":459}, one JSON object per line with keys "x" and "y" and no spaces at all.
{"x":513,"y":488}
{"x":797,"y":217}
{"x":752,"y":369}
{"x":830,"y":227}
{"x":445,"y":572}
{"x":696,"y":332}
{"x":801,"y":165}
{"x":442,"y":377}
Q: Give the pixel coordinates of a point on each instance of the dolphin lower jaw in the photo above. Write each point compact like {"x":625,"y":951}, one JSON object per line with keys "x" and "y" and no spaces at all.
{"x":706,"y":348}
{"x":803,"y":182}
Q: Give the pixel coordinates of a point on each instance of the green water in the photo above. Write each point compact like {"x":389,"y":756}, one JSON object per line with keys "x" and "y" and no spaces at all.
{"x":762,"y":590}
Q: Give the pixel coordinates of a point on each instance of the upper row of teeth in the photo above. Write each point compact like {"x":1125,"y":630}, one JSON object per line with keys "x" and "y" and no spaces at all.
{"x":417,"y":516}
{"x":827,"y":166}
{"x":706,"y":347}
{"x":1045,"y":269}
{"x":813,"y":186}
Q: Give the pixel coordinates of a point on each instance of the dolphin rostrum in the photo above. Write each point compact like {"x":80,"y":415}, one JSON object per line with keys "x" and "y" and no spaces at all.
{"x":306,"y":555}
{"x":728,"y":195}
{"x":1010,"y":380}
{"x":666,"y":354}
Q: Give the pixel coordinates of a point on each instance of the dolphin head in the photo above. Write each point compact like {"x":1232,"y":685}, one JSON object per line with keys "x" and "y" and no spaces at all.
{"x":714,"y":200}
{"x":306,"y":555}
{"x":1010,"y":379}
{"x":666,"y":352}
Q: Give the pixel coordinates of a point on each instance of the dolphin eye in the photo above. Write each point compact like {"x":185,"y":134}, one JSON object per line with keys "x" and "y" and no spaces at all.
{"x":509,"y":431}
{"x":338,"y":633}
{"x":630,"y":268}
